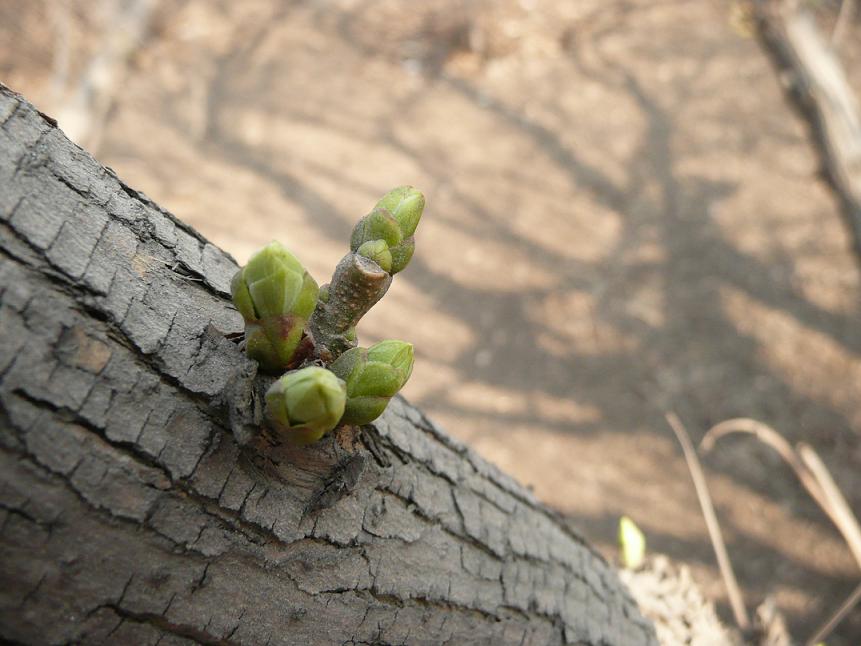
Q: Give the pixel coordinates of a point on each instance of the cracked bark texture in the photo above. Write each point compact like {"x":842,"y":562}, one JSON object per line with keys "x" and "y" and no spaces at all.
{"x":129,"y":514}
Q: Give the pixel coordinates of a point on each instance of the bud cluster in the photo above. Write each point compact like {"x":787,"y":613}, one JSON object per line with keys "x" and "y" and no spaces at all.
{"x":292,"y":325}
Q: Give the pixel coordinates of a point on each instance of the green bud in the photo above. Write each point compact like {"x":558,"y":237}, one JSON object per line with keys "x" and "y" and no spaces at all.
{"x":306,"y":404}
{"x":378,"y":251}
{"x":393,"y":221}
{"x":402,"y":254}
{"x":373,"y":376}
{"x":275,"y":295}
{"x":397,"y":354}
{"x":632,"y":544}
{"x":242,"y":297}
{"x":406,"y":205}
{"x":323,"y":294}
{"x":379,"y":224}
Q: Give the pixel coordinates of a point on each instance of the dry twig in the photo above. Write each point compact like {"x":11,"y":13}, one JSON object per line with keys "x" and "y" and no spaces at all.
{"x":807,"y":466}
{"x":838,"y":616}
{"x":814,"y":475}
{"x":733,"y":591}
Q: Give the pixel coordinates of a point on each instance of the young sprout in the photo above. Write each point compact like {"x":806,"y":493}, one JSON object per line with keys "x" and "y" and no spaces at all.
{"x":632,"y":544}
{"x":304,"y":405}
{"x":276,"y":296}
{"x":373,"y":376}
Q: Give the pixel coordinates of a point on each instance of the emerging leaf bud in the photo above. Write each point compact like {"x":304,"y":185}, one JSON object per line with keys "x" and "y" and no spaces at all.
{"x":406,"y":205}
{"x":306,"y":404}
{"x":275,"y":296}
{"x":373,"y":376}
{"x":393,"y":220}
{"x":398,"y":354}
{"x":378,"y":251}
{"x":379,"y":224}
{"x":402,"y":254}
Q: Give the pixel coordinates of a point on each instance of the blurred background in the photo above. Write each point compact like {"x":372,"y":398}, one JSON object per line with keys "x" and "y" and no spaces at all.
{"x":626,"y":216}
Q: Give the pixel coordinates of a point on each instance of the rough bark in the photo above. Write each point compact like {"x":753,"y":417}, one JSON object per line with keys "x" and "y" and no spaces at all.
{"x":130,"y":515}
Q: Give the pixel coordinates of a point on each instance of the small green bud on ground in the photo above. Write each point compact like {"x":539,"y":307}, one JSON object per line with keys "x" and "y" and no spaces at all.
{"x":378,"y":251}
{"x":406,"y":205}
{"x":275,"y":295}
{"x":303,"y":405}
{"x":373,"y":376}
{"x":632,"y":544}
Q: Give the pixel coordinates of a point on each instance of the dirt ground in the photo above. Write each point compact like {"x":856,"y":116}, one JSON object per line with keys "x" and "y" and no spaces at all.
{"x":624,"y":217}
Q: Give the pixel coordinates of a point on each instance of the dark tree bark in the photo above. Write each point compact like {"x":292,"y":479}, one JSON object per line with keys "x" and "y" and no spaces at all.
{"x":130,"y":515}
